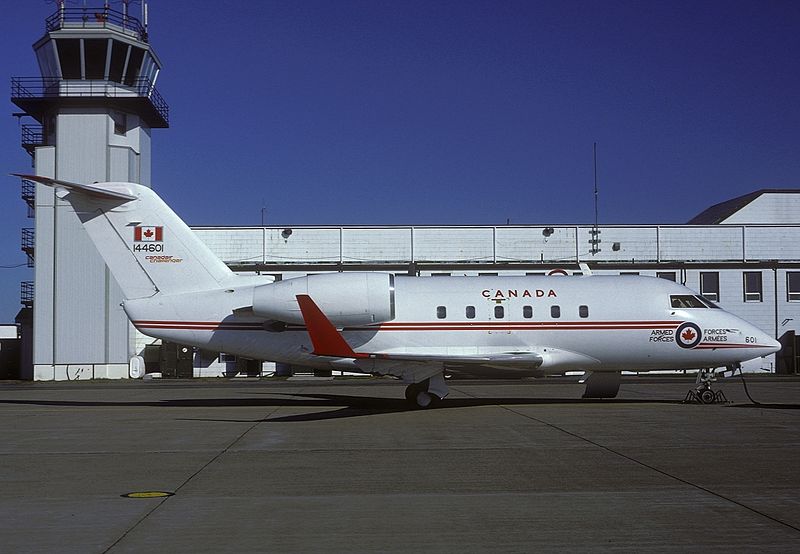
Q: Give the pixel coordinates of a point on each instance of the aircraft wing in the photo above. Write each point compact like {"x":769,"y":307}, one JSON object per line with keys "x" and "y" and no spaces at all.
{"x":327,"y":341}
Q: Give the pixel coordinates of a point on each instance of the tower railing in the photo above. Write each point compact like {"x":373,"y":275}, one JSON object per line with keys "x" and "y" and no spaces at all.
{"x":28,"y":243}
{"x":26,"y":293}
{"x":32,"y":136}
{"x":101,"y":17}
{"x":29,"y":195}
{"x":51,"y":87}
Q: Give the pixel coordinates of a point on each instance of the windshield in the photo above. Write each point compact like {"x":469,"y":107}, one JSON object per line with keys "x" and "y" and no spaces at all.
{"x":684,"y":301}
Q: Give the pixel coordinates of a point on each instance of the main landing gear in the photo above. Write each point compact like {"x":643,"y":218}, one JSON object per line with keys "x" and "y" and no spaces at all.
{"x":703,"y":393}
{"x":427,"y":393}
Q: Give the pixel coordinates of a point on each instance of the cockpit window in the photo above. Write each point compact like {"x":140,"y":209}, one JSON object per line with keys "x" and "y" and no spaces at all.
{"x":686,"y":301}
{"x":709,"y":303}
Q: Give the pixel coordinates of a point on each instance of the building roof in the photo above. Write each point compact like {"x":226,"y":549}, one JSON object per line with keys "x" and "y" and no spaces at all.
{"x":724,"y":210}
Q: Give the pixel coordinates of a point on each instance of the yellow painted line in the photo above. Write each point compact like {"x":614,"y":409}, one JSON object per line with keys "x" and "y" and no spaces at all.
{"x":147,"y":494}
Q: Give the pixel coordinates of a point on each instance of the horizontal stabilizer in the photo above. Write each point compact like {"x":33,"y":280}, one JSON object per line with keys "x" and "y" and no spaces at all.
{"x":89,"y":190}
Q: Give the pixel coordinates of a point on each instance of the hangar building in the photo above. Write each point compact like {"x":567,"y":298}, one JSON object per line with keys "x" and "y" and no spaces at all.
{"x":90,"y":116}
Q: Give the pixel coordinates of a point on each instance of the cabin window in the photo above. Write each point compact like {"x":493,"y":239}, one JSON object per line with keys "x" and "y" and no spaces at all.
{"x":583,"y":311}
{"x":441,"y":312}
{"x":555,"y":312}
{"x":668,"y":275}
{"x":709,"y":285}
{"x":470,"y":312}
{"x":752,"y":286}
{"x":527,"y":312}
{"x":499,"y":312}
{"x":793,"y":286}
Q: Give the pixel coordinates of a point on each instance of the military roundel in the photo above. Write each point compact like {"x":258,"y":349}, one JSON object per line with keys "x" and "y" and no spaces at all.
{"x":688,"y":335}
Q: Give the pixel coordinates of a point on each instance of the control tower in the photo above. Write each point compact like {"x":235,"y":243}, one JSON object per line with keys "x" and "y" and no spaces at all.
{"x":89,"y":119}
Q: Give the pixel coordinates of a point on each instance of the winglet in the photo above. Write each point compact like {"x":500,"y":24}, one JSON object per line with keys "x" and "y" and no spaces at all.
{"x":326,"y":339}
{"x":77,"y":187}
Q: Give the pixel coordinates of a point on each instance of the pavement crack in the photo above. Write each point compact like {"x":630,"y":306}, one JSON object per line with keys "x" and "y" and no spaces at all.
{"x":653,"y":468}
{"x":189,"y":479}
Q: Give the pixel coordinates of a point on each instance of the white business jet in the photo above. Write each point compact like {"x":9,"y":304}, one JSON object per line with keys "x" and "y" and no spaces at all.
{"x":413,"y":328}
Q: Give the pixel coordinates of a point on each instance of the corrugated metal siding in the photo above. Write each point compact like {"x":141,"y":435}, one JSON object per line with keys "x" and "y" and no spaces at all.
{"x":533,"y":244}
{"x":565,"y":244}
{"x":237,"y":246}
{"x":391,"y":245}
{"x":772,"y":243}
{"x":700,"y":243}
{"x":453,"y":244}
{"x":303,"y":245}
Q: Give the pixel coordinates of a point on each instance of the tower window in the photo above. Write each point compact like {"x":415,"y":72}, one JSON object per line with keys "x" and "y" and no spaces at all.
{"x":69,"y":56}
{"x":120,"y":123}
{"x":94,"y":55}
{"x":793,"y":286}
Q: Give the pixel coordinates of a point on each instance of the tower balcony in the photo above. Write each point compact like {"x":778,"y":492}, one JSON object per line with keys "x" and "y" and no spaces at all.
{"x":32,"y":136}
{"x":38,"y":95}
{"x":26,"y":293}
{"x":103,"y":17}
{"x":28,"y":244}
{"x":29,"y":195}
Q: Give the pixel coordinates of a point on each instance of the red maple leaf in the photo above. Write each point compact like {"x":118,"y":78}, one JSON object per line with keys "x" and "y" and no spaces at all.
{"x":688,"y":335}
{"x":148,"y":233}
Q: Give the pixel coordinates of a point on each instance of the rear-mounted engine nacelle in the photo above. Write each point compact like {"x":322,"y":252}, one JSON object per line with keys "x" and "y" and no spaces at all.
{"x":345,"y":298}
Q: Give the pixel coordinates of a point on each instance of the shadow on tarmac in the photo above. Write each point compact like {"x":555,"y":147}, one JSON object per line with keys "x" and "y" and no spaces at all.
{"x":348,"y":406}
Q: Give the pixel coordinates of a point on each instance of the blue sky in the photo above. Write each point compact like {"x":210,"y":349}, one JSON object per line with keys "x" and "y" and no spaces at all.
{"x":468,"y":112}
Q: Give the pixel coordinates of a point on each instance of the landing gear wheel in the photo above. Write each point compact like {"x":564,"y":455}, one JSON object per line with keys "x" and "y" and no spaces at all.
{"x":412,"y":391}
{"x":418,"y":395}
{"x":707,"y":396}
{"x":424,"y":399}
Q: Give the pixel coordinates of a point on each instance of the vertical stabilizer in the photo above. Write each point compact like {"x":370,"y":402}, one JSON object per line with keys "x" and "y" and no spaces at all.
{"x":147,"y":247}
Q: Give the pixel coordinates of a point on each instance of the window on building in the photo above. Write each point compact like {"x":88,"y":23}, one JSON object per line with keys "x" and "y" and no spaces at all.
{"x":709,"y":285}
{"x":629,"y":273}
{"x":226,"y":358}
{"x":487,"y":274}
{"x":441,"y":312}
{"x":793,"y":286}
{"x":470,"y":312}
{"x":440,"y":274}
{"x":555,"y":312}
{"x":120,"y":123}
{"x":752,"y":286}
{"x":499,"y":312}
{"x":527,"y":312}
{"x":668,"y":275}
{"x":583,"y":311}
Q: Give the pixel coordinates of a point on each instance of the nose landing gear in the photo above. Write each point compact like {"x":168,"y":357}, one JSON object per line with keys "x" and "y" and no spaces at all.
{"x":703,"y":393}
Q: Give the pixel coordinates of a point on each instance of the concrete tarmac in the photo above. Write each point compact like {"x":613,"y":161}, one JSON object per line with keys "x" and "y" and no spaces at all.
{"x":346,"y":466}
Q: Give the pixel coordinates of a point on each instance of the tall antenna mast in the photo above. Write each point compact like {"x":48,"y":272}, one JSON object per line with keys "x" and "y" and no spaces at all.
{"x":594,"y":156}
{"x":595,"y":240}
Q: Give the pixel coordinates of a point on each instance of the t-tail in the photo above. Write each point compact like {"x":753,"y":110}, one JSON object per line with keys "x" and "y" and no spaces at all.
{"x":147,"y":247}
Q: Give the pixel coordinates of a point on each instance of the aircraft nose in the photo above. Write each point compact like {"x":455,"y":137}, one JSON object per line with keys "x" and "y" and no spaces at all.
{"x":771,"y":345}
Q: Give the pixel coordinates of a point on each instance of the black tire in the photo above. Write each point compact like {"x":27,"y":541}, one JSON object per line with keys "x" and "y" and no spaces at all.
{"x":708,"y":396}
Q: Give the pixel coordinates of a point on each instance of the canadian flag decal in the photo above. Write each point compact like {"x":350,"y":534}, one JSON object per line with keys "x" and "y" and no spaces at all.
{"x":148,"y":234}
